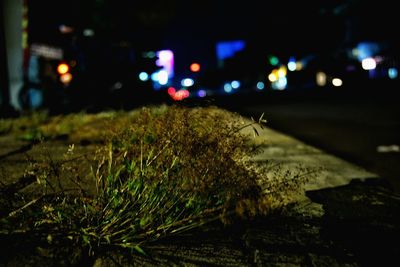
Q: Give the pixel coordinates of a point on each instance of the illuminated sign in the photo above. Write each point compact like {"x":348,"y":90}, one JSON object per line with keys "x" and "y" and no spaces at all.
{"x":47,"y":51}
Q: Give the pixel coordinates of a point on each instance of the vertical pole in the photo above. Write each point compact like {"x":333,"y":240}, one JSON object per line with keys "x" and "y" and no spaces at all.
{"x":4,"y":75}
{"x":11,"y":16}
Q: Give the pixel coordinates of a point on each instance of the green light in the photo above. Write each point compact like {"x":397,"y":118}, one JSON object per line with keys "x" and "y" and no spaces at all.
{"x":273,"y":60}
{"x":149,"y":54}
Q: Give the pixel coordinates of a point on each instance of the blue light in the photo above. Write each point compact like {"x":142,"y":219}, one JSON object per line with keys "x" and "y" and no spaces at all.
{"x":235,"y":84}
{"x":143,"y":76}
{"x":202,"y":93}
{"x":260,"y":85}
{"x":228,"y":87}
{"x":229,"y":48}
{"x":393,"y":73}
{"x":366,"y":50}
{"x":154,"y":77}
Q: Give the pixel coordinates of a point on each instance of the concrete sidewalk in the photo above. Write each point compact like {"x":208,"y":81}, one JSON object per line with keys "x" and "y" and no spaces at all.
{"x":290,"y":153}
{"x":346,"y":218}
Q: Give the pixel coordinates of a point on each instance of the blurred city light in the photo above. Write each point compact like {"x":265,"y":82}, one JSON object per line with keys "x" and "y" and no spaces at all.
{"x":117,"y":85}
{"x":280,"y":84}
{"x":299,"y":65}
{"x":166,"y":61}
{"x":273,"y":60}
{"x":181,"y":94}
{"x":365,"y":50}
{"x":66,"y":78}
{"x":227,"y":87}
{"x":62,"y":68}
{"x":195,"y":67}
{"x":392,"y":73}
{"x":149,"y":54}
{"x":171,"y":91}
{"x":143,"y":76}
{"x":368,"y":63}
{"x":282,"y":71}
{"x":321,"y":78}
{"x":64,"y":29}
{"x":154,"y":77}
{"x":235,"y":84}
{"x":202,"y":93}
{"x":260,"y":85}
{"x":227,"y":49}
{"x":88,"y":32}
{"x":273,"y":76}
{"x":292,"y":64}
{"x":187,"y":82}
{"x":163,"y":77}
{"x":337,"y":82}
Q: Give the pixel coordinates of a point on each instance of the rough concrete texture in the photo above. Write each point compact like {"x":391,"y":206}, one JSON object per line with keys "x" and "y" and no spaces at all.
{"x":290,"y":153}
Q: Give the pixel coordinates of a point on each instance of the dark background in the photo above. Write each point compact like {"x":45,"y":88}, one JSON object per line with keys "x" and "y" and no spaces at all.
{"x":282,"y":26}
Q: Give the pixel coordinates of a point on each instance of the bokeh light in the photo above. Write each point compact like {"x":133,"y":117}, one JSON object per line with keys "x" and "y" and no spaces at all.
{"x":260,"y":85}
{"x":195,"y":67}
{"x":62,"y":68}
{"x":143,"y":76}
{"x":368,"y":63}
{"x":337,"y":82}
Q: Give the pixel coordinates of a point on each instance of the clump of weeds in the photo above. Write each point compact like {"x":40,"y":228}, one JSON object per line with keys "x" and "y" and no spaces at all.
{"x":158,"y":172}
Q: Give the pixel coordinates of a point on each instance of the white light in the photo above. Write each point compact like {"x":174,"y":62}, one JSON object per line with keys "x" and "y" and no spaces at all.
{"x":166,"y":61}
{"x":260,"y":85}
{"x":165,"y":55}
{"x":272,"y":77}
{"x":143,"y":76}
{"x":321,"y":78}
{"x":337,"y":82}
{"x":368,"y":63}
{"x":228,"y":87}
{"x":88,"y":32}
{"x":162,"y":77}
{"x":280,"y":84}
{"x":235,"y":84}
{"x":187,"y":82}
{"x":291,"y":66}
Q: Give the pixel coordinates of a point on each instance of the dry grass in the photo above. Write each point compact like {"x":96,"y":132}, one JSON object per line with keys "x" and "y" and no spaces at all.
{"x":158,"y":171}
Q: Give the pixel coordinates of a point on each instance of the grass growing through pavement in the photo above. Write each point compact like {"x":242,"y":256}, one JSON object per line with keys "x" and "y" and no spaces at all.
{"x":158,"y":172}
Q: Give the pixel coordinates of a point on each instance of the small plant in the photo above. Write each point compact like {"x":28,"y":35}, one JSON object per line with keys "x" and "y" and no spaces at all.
{"x":161,"y":171}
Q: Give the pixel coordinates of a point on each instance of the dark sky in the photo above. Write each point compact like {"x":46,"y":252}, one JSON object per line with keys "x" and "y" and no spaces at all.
{"x":294,"y":25}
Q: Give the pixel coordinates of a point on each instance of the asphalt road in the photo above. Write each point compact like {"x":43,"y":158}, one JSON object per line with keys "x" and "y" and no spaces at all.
{"x":360,"y":127}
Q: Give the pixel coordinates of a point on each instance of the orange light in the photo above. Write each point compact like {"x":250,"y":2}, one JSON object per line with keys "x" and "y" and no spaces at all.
{"x":66,"y":78}
{"x":62,"y":68}
{"x":195,"y":67}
